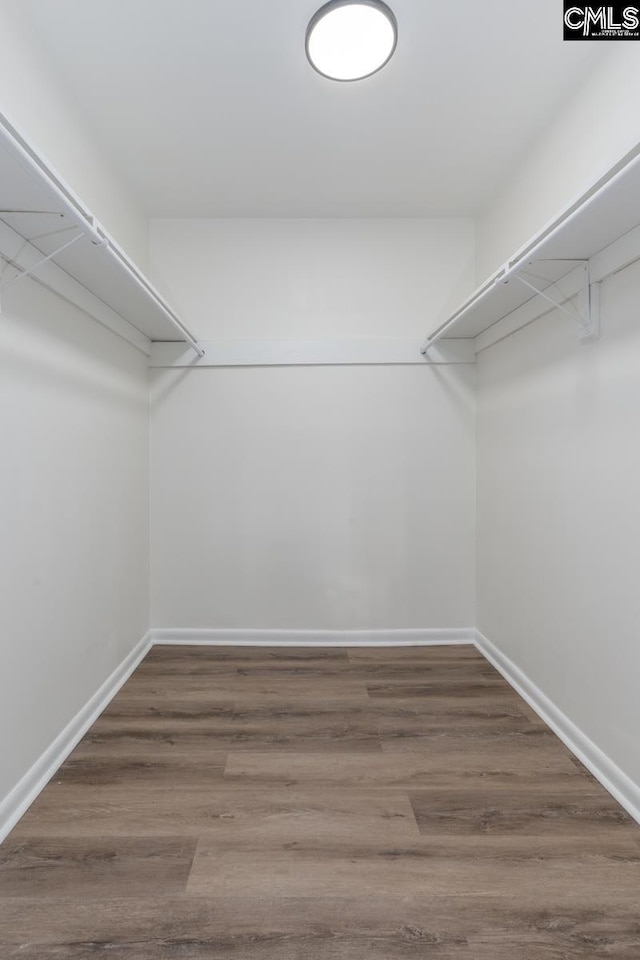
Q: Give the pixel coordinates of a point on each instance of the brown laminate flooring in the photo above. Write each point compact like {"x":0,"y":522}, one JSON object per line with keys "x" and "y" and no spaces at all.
{"x":320,"y":804}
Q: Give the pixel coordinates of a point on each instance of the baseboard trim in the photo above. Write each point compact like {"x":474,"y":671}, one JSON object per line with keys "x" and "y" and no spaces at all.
{"x":612,"y":778}
{"x":17,"y":802}
{"x":317,"y":638}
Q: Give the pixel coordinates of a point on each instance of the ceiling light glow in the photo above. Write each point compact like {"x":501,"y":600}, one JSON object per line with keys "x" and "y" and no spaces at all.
{"x":351,"y":39}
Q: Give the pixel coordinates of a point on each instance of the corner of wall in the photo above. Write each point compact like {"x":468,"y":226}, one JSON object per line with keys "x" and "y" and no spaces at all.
{"x":612,"y":778}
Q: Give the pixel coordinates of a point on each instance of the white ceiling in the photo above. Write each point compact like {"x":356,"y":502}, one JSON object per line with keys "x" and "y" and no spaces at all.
{"x":209,"y":107}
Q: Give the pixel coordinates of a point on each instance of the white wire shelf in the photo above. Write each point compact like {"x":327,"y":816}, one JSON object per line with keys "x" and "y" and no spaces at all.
{"x":46,"y":223}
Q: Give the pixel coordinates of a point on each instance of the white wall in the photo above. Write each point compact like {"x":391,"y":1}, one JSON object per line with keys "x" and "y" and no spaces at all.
{"x":312,"y":497}
{"x":73,"y":516}
{"x":36,"y":101}
{"x":591,"y":133}
{"x":559,"y":514}
{"x":307,"y":279}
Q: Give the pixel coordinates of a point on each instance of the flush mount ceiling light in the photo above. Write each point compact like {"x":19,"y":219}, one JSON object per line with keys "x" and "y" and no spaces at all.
{"x":351,"y":39}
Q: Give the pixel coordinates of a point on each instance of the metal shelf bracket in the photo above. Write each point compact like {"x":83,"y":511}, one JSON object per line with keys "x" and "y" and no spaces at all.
{"x":587,"y":316}
{"x":26,"y":273}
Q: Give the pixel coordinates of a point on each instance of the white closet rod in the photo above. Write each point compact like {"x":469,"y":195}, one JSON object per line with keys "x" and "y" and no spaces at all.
{"x":85,"y":220}
{"x":534,"y":249}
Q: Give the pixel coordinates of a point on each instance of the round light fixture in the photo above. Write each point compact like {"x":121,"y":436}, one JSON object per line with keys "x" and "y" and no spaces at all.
{"x":351,"y":39}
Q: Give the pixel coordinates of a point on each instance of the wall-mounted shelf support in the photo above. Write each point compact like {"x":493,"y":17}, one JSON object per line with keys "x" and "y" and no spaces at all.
{"x":21,"y":274}
{"x":587,"y":316}
{"x":599,"y":231}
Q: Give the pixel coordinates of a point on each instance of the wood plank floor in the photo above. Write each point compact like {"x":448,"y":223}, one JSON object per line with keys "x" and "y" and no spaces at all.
{"x":320,"y":804}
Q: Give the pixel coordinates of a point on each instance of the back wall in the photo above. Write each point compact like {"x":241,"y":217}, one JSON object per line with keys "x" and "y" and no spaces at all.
{"x":331,"y":497}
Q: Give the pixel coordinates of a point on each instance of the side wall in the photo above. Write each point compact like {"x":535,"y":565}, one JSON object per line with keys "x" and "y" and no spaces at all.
{"x":559,"y":514}
{"x":73,"y":516}
{"x":36,"y":101}
{"x":312,"y":497}
{"x":592,"y":133}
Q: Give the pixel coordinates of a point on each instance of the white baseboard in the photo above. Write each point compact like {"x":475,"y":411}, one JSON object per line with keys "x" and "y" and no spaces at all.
{"x":314,"y":638}
{"x":15,"y":804}
{"x":612,"y":778}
